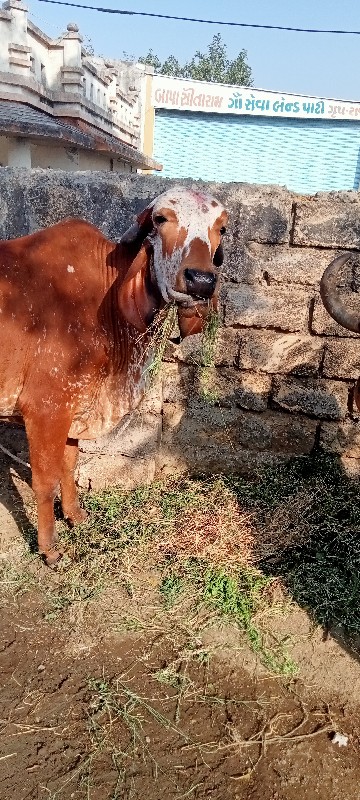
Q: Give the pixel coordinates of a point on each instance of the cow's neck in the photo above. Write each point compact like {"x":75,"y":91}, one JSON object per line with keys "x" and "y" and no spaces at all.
{"x":125,"y":376}
{"x":128,"y":349}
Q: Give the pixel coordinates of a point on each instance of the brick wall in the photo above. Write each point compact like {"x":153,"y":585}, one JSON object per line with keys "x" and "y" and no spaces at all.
{"x":284,"y":372}
{"x":281,"y":379}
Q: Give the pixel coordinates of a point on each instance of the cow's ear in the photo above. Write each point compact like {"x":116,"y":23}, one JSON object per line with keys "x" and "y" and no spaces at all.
{"x":192,"y":320}
{"x":137,"y":298}
{"x":137,"y":233}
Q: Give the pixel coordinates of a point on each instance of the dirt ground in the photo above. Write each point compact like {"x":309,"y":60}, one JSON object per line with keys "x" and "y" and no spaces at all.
{"x":87,"y":720}
{"x":112,"y":700}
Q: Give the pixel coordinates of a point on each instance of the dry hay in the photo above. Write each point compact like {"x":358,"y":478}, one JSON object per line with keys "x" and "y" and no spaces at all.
{"x":219,"y":532}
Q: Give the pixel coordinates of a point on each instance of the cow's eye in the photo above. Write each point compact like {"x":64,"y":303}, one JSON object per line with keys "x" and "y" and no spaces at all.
{"x":222,"y":231}
{"x":159,"y":219}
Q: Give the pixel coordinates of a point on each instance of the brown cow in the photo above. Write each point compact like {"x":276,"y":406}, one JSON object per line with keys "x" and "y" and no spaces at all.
{"x":77,"y":313}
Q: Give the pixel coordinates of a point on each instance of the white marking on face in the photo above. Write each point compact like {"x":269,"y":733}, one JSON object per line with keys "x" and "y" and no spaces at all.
{"x":196,"y":212}
{"x":70,"y":268}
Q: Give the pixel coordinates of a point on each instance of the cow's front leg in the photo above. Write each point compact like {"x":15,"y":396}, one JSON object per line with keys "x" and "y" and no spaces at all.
{"x":69,"y":494}
{"x":47,"y":435}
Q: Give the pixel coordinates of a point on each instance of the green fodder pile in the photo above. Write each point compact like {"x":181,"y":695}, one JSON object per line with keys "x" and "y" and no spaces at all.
{"x":299,"y":523}
{"x":232,"y":544}
{"x":193,"y":539}
{"x":170,"y":521}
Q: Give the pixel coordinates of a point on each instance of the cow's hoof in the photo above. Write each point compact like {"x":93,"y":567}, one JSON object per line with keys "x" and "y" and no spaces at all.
{"x":77,"y":517}
{"x":81,"y":516}
{"x":52,"y":558}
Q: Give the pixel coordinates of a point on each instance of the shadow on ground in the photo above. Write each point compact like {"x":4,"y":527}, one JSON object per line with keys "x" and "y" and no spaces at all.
{"x":306,"y":516}
{"x":13,"y":438}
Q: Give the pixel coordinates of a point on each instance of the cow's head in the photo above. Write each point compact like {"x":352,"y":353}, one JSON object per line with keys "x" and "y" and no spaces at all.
{"x":177,"y":257}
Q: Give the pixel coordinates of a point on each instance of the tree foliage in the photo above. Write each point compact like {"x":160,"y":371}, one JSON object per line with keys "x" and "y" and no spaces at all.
{"x":213,"y":66}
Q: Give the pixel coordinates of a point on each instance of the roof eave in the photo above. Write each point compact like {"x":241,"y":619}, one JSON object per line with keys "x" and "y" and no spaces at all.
{"x":82,"y":141}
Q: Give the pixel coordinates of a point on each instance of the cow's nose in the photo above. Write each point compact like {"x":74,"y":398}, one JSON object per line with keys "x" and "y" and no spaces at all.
{"x":200,"y":284}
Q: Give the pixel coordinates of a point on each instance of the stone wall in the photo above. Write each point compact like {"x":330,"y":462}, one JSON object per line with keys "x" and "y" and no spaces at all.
{"x":281,"y":379}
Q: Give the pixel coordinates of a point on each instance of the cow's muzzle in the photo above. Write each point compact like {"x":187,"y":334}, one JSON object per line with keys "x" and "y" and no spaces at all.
{"x":200,"y":285}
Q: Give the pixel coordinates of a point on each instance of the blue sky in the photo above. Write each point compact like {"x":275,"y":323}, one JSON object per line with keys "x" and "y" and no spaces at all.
{"x":324,"y":65}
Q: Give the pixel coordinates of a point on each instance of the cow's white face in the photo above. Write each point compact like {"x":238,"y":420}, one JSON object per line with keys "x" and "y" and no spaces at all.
{"x":175,"y":254}
{"x":187,"y":228}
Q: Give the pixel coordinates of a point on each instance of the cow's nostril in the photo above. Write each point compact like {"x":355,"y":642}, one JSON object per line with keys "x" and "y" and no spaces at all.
{"x":189,"y":276}
{"x":200,"y":284}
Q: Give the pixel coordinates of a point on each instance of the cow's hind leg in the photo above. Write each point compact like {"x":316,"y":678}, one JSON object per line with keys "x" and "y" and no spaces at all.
{"x":47,"y":435}
{"x":69,"y":495}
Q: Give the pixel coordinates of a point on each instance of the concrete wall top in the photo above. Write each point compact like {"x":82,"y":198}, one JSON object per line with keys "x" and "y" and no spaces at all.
{"x":31,"y":199}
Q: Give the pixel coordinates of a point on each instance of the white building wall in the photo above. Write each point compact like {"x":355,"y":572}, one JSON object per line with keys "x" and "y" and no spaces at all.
{"x":19,"y":153}
{"x":52,"y":157}
{"x":6,"y":37}
{"x":46,"y":62}
{"x":105,"y":94}
{"x":71,"y":159}
{"x":102,"y":161}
